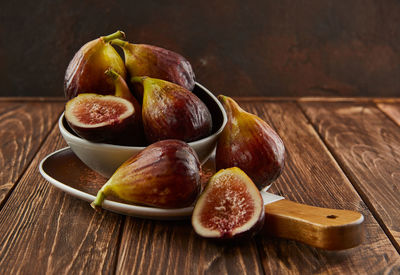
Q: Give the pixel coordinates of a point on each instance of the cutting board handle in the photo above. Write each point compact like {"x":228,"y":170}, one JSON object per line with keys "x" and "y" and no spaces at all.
{"x":330,"y":229}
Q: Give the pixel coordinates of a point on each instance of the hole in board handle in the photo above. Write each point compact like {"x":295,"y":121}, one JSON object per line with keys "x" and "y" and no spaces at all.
{"x":331,"y":217}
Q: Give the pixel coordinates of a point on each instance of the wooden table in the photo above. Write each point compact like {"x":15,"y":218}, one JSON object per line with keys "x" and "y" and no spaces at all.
{"x":341,"y":153}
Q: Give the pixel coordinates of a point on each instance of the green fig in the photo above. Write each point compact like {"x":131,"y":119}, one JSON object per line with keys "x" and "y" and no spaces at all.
{"x":85,"y":72}
{"x":251,"y":144}
{"x":121,"y":89}
{"x":156,"y":62}
{"x":230,"y":207}
{"x":169,"y":111}
{"x":165,"y":174}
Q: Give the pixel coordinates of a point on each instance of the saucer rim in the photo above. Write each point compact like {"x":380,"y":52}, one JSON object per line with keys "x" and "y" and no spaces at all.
{"x":117,"y":207}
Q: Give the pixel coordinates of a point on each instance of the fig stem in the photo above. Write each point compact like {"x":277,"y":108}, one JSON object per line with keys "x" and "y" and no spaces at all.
{"x":138,"y":79}
{"x":111,"y":73}
{"x":96,"y":204}
{"x":230,"y":106}
{"x":119,"y":42}
{"x":115,"y":35}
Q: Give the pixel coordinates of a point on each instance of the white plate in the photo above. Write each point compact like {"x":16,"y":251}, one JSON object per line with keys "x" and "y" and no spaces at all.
{"x":66,"y":172}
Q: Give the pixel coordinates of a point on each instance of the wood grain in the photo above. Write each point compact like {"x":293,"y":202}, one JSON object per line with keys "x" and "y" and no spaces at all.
{"x":367,"y":145}
{"x":45,"y":231}
{"x":23,"y":126}
{"x":326,"y":228}
{"x":173,"y":248}
{"x":392,"y":110}
{"x":313,"y":177}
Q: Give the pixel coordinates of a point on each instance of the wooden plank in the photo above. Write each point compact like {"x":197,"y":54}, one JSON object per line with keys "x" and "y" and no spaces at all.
{"x":367,"y":145}
{"x":348,"y":99}
{"x":161,"y":247}
{"x":312,"y":176}
{"x":241,"y":98}
{"x":23,"y":126}
{"x":392,"y":110}
{"x":45,"y":231}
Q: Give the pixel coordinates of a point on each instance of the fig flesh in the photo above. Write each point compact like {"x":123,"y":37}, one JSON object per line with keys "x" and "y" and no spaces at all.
{"x":85,"y":72}
{"x":165,"y":174}
{"x":103,"y":118}
{"x":251,"y":144}
{"x":156,"y":62}
{"x":169,"y":111}
{"x":231,"y":206}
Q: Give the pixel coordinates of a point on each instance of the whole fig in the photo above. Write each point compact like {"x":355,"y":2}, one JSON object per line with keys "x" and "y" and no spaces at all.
{"x":165,"y":174}
{"x":85,"y":72}
{"x":156,"y":62}
{"x":169,"y":111}
{"x":251,"y":144}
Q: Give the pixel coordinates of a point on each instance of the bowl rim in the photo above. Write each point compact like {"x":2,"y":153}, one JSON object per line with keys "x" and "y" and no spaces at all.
{"x":87,"y":143}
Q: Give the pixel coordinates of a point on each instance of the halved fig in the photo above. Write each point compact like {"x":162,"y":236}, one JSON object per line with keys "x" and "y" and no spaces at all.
{"x":103,"y":118}
{"x":231,"y":206}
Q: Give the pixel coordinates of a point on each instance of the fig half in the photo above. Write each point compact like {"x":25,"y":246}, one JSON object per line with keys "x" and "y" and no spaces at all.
{"x":231,"y":206}
{"x":100,"y":118}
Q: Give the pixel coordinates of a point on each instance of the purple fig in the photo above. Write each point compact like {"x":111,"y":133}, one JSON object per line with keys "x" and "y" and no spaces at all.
{"x":156,"y":62}
{"x":251,"y":144}
{"x":165,"y":174}
{"x":85,"y":72}
{"x":169,"y":111}
{"x":231,"y":206}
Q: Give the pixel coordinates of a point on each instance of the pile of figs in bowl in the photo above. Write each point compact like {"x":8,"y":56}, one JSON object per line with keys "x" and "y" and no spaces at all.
{"x":141,"y":120}
{"x":105,"y":158}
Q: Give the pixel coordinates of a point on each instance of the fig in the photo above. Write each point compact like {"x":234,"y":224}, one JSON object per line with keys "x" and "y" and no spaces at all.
{"x":104,"y":118}
{"x":231,"y":206}
{"x":156,"y":62}
{"x":169,"y":111}
{"x":251,"y":144}
{"x":85,"y":72}
{"x":165,"y":174}
{"x":120,"y":88}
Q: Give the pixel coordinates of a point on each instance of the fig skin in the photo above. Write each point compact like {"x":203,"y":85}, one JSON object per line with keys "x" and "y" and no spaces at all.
{"x":165,"y":174}
{"x":156,"y":62}
{"x":169,"y":111}
{"x":122,"y":90}
{"x":214,"y":225}
{"x":121,"y":131}
{"x":251,"y":144}
{"x":85,"y":72}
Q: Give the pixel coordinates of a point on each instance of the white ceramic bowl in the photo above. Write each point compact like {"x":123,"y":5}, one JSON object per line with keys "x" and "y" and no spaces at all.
{"x":106,"y":158}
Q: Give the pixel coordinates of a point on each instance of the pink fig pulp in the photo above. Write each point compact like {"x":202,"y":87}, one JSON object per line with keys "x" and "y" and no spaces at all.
{"x":231,"y":206}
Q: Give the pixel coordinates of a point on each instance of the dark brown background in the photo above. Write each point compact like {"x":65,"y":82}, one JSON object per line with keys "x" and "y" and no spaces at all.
{"x":262,"y":48}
